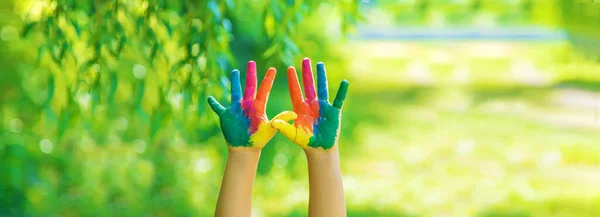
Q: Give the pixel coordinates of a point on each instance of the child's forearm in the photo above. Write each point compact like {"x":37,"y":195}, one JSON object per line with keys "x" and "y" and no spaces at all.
{"x":326,"y":188}
{"x":236,"y":189}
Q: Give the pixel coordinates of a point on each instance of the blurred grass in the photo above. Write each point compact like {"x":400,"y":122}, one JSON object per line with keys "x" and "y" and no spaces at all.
{"x":462,"y":135}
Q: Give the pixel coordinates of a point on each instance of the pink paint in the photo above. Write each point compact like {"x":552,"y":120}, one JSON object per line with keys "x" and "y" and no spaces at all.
{"x":254,"y":112}
{"x":308,"y":81}
{"x":250,"y":92}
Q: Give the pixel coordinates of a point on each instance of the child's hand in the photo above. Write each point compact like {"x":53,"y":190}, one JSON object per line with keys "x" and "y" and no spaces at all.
{"x":244,"y":123}
{"x":318,"y":122}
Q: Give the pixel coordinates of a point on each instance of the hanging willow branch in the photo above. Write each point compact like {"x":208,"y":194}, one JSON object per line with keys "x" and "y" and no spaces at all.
{"x":166,"y":55}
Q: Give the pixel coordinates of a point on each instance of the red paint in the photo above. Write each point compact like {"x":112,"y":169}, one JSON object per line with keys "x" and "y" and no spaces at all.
{"x":250,"y":92}
{"x":254,"y":111}
{"x":307,"y":110}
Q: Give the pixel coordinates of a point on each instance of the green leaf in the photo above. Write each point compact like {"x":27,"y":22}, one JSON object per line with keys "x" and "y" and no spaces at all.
{"x":177,"y":66}
{"x":269,"y":25}
{"x":230,"y":4}
{"x":86,"y":66}
{"x":50,"y":91}
{"x":167,"y":27}
{"x":41,"y":51}
{"x":214,"y":9}
{"x":289,"y":45}
{"x":27,"y":28}
{"x":276,"y":11}
{"x":271,"y":51}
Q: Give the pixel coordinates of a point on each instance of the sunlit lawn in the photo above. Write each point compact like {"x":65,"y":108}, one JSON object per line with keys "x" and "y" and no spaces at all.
{"x":462,"y":129}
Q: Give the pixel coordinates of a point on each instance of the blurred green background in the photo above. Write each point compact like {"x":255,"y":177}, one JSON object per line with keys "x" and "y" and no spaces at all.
{"x":456,"y":107}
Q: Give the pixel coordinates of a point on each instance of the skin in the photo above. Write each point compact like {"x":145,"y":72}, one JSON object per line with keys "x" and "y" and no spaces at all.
{"x":316,"y":130}
{"x":244,"y":123}
{"x":247,"y":130}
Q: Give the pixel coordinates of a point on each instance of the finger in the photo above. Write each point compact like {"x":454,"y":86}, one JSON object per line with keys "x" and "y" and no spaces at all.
{"x":341,"y":95}
{"x":236,"y":87}
{"x":285,"y":128}
{"x":250,"y":92}
{"x":286,"y":116}
{"x":308,"y":80}
{"x":322,"y":82}
{"x":266,"y":85}
{"x":294,"y":86}
{"x":215,"y":105}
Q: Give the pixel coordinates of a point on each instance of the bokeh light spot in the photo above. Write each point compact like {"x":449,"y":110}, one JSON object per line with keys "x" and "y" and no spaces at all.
{"x":9,"y":33}
{"x":15,"y":125}
{"x":139,"y":71}
{"x":280,"y":160}
{"x":46,"y":146}
{"x":139,"y":146}
{"x":202,"y":165}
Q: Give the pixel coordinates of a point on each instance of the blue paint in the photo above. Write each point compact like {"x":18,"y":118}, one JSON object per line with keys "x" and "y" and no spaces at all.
{"x":323,"y":92}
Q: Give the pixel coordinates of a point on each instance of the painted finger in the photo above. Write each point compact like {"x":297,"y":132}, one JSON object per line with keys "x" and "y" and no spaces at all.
{"x":308,"y":80}
{"x":294,"y":86}
{"x":236,"y":87}
{"x":341,"y":95}
{"x":286,"y":116}
{"x":322,"y":82}
{"x":266,"y":85}
{"x":215,"y":105}
{"x":250,"y":92}
{"x":285,"y":128}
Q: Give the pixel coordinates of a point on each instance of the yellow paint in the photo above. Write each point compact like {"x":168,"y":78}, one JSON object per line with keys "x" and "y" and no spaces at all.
{"x":298,"y":135}
{"x":266,"y":131}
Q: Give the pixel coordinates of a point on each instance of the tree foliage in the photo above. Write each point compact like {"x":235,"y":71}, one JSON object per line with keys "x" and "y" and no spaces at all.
{"x":111,"y":96}
{"x":581,"y":20}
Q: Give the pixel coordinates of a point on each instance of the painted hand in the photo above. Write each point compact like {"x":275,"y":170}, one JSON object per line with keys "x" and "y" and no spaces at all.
{"x":244,"y":123}
{"x":318,"y":121}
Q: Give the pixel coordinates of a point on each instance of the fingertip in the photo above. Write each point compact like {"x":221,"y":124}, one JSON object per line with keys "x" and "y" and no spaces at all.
{"x":291,"y":69}
{"x":251,"y":67}
{"x":293,"y":115}
{"x":271,"y":70}
{"x":291,"y":72}
{"x":286,"y":116}
{"x":306,"y":62}
{"x":345,"y":82}
{"x":211,"y":99}
{"x":235,"y":72}
{"x":277,"y":123}
{"x":251,"y":64}
{"x":320,"y":67}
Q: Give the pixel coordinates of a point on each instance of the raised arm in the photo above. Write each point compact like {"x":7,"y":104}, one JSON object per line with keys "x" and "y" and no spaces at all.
{"x":316,"y":130}
{"x":247,"y":130}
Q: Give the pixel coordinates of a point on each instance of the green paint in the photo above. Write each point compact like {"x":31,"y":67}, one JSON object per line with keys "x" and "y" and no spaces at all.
{"x":233,"y":123}
{"x":235,"y":129}
{"x":326,"y":127}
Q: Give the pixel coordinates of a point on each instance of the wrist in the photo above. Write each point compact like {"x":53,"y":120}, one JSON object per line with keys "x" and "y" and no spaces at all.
{"x":242,"y":149}
{"x":319,"y":154}
{"x":243,"y":155}
{"x":309,"y":151}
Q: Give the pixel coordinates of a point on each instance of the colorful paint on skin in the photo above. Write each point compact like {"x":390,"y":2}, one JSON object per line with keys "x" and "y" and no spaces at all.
{"x":251,"y":110}
{"x":245,"y":123}
{"x":318,"y":121}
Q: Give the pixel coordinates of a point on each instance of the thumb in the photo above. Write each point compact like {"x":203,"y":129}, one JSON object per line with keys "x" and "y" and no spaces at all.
{"x":285,"y":128}
{"x":216,"y":106}
{"x":286,"y":116}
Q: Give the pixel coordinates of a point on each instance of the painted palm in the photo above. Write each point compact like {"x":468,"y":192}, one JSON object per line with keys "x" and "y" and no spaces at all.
{"x":318,"y":121}
{"x":244,"y":123}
